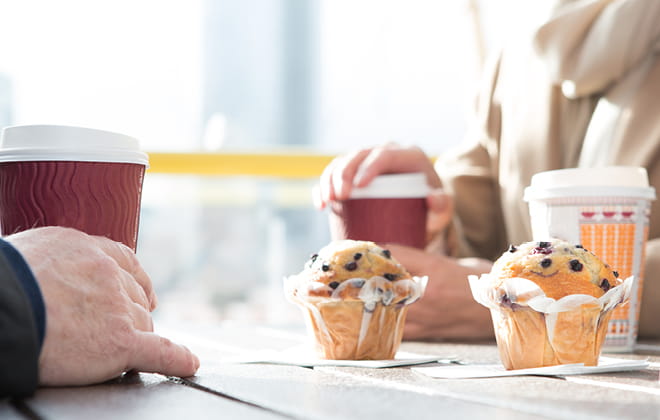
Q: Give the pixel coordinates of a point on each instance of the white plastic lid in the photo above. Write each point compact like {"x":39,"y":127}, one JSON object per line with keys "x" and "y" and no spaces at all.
{"x":67,"y":143}
{"x":411,"y":185}
{"x":624,"y":181}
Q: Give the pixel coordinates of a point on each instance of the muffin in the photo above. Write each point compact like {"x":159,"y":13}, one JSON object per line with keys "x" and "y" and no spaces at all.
{"x":354,"y":295}
{"x":558,"y":268}
{"x":550,"y":302}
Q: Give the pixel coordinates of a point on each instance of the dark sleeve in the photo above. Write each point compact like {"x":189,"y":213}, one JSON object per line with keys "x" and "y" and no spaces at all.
{"x":22,"y":324}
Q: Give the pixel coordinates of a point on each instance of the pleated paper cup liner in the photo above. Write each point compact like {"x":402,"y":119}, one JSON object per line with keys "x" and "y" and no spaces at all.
{"x":533,"y":330}
{"x":365,"y":326}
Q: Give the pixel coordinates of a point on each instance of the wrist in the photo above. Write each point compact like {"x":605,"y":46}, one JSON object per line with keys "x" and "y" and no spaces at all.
{"x":29,"y":285}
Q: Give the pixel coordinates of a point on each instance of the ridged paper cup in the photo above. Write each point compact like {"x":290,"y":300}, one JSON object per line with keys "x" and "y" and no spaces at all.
{"x":607,"y":211}
{"x":88,"y":179}
{"x":391,"y":209}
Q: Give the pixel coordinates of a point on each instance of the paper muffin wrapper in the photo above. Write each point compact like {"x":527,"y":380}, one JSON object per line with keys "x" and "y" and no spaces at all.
{"x":533,"y":330}
{"x":369,"y":327}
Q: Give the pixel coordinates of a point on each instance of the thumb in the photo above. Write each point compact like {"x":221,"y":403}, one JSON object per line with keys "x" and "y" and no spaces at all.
{"x":317,"y":197}
{"x":441,"y":209}
{"x":157,"y":354}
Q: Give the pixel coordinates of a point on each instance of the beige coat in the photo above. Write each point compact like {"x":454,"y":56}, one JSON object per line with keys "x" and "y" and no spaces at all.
{"x":535,"y":109}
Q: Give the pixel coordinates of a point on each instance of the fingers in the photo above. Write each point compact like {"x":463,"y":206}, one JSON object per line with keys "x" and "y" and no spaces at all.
{"x":439,"y":201}
{"x":337,"y":178}
{"x":344,"y":174}
{"x":127,"y":260}
{"x":441,"y":211}
{"x":358,"y":169}
{"x":134,"y":290}
{"x":325,"y":188}
{"x":142,"y":320}
{"x":392,"y":158}
{"x":154,"y":353}
{"x":317,"y":197}
{"x":379,"y":161}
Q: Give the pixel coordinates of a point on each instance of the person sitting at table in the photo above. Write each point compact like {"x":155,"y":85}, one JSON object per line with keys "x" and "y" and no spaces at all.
{"x":75,"y":310}
{"x":584,"y":92}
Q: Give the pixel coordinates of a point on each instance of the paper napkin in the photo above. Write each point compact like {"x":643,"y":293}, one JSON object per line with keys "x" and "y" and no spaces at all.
{"x":605,"y":364}
{"x":303,"y":356}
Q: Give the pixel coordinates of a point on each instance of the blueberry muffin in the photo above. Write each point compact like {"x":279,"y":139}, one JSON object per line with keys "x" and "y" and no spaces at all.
{"x":339,"y":268}
{"x":563,"y":320}
{"x":354,"y":295}
{"x":558,"y":267}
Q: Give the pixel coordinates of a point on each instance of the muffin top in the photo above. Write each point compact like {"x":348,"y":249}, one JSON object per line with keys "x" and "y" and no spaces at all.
{"x":352,"y":262}
{"x":558,"y":267}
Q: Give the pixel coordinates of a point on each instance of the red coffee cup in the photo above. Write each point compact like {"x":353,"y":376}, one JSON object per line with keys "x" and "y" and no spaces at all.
{"x":391,"y":209}
{"x":88,"y":179}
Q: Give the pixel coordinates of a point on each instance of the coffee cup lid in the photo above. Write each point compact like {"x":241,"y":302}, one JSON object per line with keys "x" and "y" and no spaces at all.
{"x":619,"y":181}
{"x":410,"y":185}
{"x":68,"y":143}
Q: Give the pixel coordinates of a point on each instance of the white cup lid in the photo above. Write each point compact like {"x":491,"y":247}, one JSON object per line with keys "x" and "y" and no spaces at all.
{"x":68,"y":143}
{"x":626,"y":181}
{"x":411,"y":185}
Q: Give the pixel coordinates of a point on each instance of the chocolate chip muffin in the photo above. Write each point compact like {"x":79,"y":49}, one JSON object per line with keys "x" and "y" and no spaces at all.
{"x":354,"y":295}
{"x":558,"y":267}
{"x":551,"y":302}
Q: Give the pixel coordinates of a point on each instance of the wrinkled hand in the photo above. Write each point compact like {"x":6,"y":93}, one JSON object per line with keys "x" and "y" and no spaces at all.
{"x":98,"y":303}
{"x":447,"y":310}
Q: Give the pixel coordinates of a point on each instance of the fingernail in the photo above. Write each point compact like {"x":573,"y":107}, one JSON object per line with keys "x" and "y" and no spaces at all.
{"x":357,"y":181}
{"x":317,"y":200}
{"x":325,"y":195}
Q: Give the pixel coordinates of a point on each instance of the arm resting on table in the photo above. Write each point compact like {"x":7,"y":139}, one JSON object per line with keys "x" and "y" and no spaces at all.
{"x":23,"y":322}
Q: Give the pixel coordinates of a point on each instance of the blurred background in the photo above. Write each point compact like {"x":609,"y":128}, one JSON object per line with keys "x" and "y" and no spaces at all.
{"x":267,"y":77}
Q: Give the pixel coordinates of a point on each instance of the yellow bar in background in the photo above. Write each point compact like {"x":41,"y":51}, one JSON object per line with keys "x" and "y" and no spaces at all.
{"x":289,"y":165}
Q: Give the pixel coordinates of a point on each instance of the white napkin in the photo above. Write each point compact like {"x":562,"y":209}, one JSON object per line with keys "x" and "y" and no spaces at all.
{"x":605,"y":364}
{"x":303,"y":356}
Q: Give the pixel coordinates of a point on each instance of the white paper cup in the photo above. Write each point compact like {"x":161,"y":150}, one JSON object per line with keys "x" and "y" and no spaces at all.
{"x":607,"y":211}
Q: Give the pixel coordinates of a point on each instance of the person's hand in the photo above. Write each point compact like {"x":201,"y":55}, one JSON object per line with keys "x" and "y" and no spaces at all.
{"x":359,"y":168}
{"x":98,"y":302}
{"x":440,"y":238}
{"x":447,"y":310}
